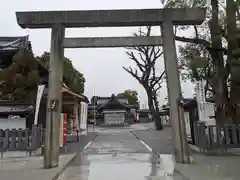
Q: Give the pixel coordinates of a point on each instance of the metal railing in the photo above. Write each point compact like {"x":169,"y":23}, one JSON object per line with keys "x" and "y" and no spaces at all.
{"x":214,"y":137}
{"x":27,"y":140}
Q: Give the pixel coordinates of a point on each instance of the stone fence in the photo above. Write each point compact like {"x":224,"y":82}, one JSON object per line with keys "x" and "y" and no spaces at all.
{"x":28,"y":140}
{"x":214,"y":137}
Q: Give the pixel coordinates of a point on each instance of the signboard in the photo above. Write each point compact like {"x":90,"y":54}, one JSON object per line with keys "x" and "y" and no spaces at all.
{"x":201,"y":91}
{"x":63,"y":130}
{"x":38,"y":101}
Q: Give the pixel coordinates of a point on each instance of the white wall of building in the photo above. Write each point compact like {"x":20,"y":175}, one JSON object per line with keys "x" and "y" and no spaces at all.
{"x":114,"y":117}
{"x":10,"y":123}
{"x":209,"y":111}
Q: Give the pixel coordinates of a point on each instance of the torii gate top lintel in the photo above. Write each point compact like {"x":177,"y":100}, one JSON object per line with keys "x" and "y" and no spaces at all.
{"x":111,"y":18}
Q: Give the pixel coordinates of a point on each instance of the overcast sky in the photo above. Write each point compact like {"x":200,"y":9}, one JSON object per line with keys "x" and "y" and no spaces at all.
{"x":102,"y":68}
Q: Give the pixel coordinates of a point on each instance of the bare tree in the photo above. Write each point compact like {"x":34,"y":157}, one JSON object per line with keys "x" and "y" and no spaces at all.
{"x":145,"y":58}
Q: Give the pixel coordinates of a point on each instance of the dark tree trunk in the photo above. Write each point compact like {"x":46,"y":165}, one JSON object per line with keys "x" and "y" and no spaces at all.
{"x":150,"y":101}
{"x":233,"y":56}
{"x":157,"y":117}
{"x":220,"y":86}
{"x":153,"y":108}
{"x":157,"y":120}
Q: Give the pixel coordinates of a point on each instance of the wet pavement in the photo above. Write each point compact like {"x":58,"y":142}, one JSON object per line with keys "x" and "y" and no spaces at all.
{"x":116,"y":142}
{"x":211,"y":168}
{"x":77,"y":146}
{"x":116,"y":154}
{"x":31,"y":168}
{"x":159,"y":141}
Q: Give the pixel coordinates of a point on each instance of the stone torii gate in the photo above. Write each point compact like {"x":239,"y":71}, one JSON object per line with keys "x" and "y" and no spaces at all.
{"x":59,"y":20}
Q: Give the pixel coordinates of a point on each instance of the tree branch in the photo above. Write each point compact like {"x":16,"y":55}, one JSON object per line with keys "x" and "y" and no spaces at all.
{"x":133,"y":73}
{"x":196,"y":31}
{"x":193,"y":40}
{"x":156,"y":80}
{"x":201,"y":42}
{"x":134,"y":58}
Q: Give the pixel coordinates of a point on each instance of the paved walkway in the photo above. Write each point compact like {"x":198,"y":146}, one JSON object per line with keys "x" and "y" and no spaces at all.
{"x":116,"y":154}
{"x":30,"y":168}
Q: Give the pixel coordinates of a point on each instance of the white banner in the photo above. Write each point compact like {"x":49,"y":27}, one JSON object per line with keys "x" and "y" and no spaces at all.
{"x":83,"y":123}
{"x":77,"y":118}
{"x":38,"y":100}
{"x":201,"y":100}
{"x":81,"y":115}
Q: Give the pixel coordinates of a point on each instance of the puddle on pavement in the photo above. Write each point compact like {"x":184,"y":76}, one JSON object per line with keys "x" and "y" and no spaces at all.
{"x":134,"y":166}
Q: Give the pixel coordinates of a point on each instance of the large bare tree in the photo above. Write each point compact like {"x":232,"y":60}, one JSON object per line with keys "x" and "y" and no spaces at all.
{"x":145,"y":58}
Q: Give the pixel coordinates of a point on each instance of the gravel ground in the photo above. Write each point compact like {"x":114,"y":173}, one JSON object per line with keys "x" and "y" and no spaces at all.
{"x":159,"y":141}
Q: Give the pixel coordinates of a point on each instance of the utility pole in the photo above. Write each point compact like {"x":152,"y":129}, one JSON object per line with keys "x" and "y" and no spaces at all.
{"x":94,"y":109}
{"x":54,"y":101}
{"x":181,"y":150}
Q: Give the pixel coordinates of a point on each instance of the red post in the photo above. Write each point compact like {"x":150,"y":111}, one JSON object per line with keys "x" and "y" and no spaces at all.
{"x":64,"y":128}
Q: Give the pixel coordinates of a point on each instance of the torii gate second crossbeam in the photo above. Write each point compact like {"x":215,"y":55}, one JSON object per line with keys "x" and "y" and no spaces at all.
{"x":105,"y":42}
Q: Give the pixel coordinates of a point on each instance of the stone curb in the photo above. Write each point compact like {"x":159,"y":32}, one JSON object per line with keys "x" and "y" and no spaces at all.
{"x":64,"y":167}
{"x":213,"y":153}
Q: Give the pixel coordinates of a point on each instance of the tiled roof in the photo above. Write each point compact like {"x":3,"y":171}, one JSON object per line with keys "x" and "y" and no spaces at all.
{"x":14,"y":43}
{"x":107,"y":98}
{"x":20,"y":109}
{"x":113,"y":102}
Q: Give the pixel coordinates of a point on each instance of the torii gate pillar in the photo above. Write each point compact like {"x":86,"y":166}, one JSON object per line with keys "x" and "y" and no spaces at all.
{"x":54,"y":102}
{"x":180,"y":148}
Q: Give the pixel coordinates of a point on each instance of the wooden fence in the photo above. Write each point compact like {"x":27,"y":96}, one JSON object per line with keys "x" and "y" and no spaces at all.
{"x":28,"y":140}
{"x":216,"y":137}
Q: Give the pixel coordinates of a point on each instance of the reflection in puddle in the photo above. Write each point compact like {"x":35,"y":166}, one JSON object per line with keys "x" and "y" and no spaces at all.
{"x":135,"y":166}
